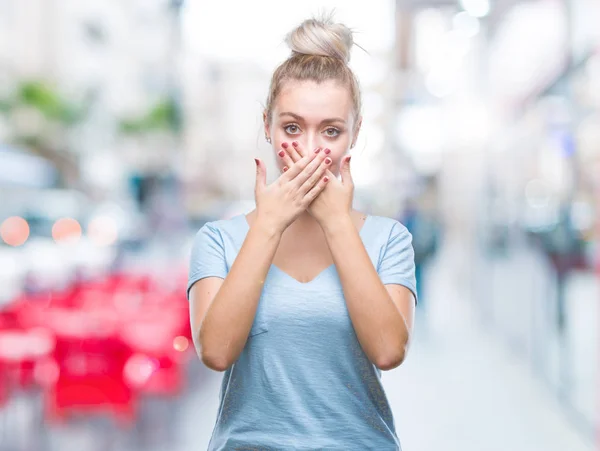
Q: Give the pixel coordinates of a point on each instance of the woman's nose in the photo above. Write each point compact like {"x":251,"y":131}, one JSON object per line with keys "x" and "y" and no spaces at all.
{"x":312,"y":143}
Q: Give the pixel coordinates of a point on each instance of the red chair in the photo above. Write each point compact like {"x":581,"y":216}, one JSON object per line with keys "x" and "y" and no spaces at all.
{"x":90,"y":380}
{"x":116,"y":338}
{"x":90,"y":360}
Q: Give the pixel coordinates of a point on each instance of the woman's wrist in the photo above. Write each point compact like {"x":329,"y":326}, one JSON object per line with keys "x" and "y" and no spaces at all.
{"x":337,"y":223}
{"x":268,"y":227}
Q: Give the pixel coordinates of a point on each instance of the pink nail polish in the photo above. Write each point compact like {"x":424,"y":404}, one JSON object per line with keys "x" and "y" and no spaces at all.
{"x":317,"y":150}
{"x":281,"y":153}
{"x":295,"y":144}
{"x":327,"y":151}
{"x":325,"y":179}
{"x":285,"y":168}
{"x":327,"y":160}
{"x":284,"y":145}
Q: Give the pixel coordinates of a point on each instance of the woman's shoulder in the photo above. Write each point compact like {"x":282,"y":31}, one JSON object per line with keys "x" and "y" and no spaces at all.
{"x":384,"y":224}
{"x":224,"y":226}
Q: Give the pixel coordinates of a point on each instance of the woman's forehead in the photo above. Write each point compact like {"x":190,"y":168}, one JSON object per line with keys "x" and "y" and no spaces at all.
{"x":314,"y":100}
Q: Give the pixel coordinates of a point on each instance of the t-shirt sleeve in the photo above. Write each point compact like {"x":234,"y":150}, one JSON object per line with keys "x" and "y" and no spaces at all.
{"x":397,"y":265}
{"x":207,"y":257}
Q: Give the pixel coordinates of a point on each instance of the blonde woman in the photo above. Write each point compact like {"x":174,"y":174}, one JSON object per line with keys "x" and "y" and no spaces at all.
{"x":304,"y":301}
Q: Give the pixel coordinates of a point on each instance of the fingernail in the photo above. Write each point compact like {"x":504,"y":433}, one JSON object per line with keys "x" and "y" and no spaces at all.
{"x":317,"y":150}
{"x":327,"y":160}
{"x":295,"y":144}
{"x":285,"y":168}
{"x":256,"y":161}
{"x":327,"y":151}
{"x":284,"y":145}
{"x":325,"y":179}
{"x":281,"y":153}
{"x":348,"y":160}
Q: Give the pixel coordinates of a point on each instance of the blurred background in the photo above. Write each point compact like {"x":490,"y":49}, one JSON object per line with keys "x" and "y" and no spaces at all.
{"x":125,"y":125}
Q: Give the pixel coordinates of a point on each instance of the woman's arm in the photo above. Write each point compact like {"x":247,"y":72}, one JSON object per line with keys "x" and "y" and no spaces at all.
{"x":382,"y":315}
{"x":223,"y":310}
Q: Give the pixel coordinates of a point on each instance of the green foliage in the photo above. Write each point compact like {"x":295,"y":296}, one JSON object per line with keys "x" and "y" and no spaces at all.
{"x":164,"y":116}
{"x":41,"y":96}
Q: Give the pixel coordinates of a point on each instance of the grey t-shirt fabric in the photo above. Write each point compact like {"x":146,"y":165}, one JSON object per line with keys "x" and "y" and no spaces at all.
{"x":302,"y":381}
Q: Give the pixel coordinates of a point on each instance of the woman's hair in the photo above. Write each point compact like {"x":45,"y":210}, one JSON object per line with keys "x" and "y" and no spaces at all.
{"x":320,"y":52}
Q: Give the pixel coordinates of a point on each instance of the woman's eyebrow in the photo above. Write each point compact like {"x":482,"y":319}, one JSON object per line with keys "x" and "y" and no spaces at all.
{"x":300,"y":118}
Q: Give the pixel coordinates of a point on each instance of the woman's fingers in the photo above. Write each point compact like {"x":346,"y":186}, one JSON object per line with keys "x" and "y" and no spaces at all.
{"x":295,"y":151}
{"x":316,"y":190}
{"x":303,"y":168}
{"x":297,"y":168}
{"x":316,"y":175}
{"x":261,"y":176}
{"x":311,"y":168}
{"x":284,"y":155}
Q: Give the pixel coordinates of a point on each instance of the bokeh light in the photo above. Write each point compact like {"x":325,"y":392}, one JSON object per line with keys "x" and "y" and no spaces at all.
{"x":102,"y":230}
{"x":138,"y":369}
{"x":14,"y":231}
{"x":181,"y":344}
{"x":66,"y":229}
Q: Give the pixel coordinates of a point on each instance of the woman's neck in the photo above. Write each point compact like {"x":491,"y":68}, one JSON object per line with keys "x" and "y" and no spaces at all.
{"x":304,"y":224}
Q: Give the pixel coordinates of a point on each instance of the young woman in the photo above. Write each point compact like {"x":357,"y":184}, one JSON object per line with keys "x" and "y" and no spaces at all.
{"x":304,"y":301}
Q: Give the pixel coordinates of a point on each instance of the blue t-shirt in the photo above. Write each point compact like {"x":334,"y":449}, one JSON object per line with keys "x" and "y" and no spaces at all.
{"x":303,"y":381}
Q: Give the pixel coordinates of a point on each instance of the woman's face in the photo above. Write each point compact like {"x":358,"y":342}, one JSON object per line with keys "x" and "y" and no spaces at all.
{"x":315,"y":115}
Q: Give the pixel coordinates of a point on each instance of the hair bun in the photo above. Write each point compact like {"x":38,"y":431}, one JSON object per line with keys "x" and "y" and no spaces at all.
{"x":322,"y":37}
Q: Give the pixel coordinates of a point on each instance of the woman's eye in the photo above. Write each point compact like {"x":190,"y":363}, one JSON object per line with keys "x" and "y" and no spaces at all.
{"x":292,"y":129}
{"x":331,"y":132}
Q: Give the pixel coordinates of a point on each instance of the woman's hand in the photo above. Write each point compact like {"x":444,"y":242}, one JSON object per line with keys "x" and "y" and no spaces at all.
{"x":335,"y":201}
{"x":281,"y":202}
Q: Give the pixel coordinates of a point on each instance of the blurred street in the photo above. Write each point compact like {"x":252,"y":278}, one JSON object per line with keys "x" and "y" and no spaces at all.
{"x":126,"y":125}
